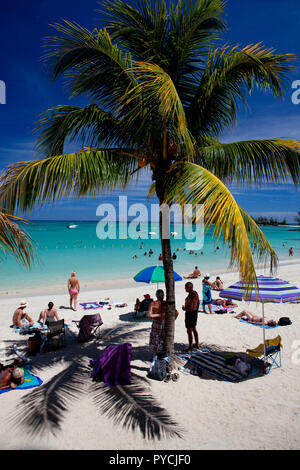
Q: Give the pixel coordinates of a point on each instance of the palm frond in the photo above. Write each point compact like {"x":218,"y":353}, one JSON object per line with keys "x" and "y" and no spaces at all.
{"x":90,"y":125}
{"x":252,"y":162}
{"x":94,"y":66}
{"x":229,"y":76}
{"x":14,"y":240}
{"x":133,"y":407}
{"x":156,"y":91}
{"x":198,"y":186}
{"x":27,"y":184}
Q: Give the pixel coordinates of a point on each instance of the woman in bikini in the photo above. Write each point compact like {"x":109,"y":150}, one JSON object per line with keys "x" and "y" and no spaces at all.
{"x":251,"y":318}
{"x":73,"y":288}
{"x":49,"y":314}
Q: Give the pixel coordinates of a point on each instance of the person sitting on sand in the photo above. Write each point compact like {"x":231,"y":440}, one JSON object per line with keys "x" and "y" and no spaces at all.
{"x":142,"y":306}
{"x":251,"y":318}
{"x":217,"y":284}
{"x":157,"y":311}
{"x":224,"y":303}
{"x":196,"y":273}
{"x":48,"y":314}
{"x":12,"y":375}
{"x":21,"y":319}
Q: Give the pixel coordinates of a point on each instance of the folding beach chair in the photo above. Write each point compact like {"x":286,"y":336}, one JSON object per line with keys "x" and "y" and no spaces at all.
{"x":273,"y":352}
{"x":54,"y":336}
{"x":89,"y":327}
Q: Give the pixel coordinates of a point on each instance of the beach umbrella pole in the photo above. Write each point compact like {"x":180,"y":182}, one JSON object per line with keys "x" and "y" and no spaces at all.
{"x":264,"y":335}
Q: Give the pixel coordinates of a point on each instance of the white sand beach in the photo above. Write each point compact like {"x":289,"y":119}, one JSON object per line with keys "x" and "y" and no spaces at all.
{"x":70,"y":411}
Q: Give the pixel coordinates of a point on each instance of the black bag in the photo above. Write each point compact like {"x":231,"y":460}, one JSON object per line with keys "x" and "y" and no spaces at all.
{"x":283,"y":321}
{"x":159,"y":368}
{"x":221,"y":310}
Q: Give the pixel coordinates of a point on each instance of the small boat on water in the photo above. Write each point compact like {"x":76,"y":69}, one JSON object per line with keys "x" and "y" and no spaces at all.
{"x":72,"y":226}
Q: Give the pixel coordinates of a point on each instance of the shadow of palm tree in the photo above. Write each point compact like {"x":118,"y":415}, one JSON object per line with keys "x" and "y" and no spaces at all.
{"x":43,"y":409}
{"x":257,"y":365}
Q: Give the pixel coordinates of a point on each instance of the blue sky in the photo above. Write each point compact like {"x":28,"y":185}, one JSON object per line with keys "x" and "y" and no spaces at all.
{"x":29,"y":91}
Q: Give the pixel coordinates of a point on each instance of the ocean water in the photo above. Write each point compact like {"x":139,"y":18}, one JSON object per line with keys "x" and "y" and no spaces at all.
{"x":62,"y":250}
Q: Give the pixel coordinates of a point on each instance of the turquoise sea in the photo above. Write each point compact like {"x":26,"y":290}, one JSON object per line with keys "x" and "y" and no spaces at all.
{"x":62,"y":250}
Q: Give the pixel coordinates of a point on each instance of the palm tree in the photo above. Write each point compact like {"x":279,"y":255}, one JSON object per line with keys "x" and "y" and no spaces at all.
{"x":297,"y":218}
{"x":159,"y":93}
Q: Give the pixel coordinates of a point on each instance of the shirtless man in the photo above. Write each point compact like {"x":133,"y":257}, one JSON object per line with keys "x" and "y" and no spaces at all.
{"x":196,"y":273}
{"x":251,"y":318}
{"x":191,"y":308}
{"x":21,"y":319}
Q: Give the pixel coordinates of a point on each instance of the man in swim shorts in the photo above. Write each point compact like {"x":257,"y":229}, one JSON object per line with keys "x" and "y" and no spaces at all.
{"x":191,"y":308}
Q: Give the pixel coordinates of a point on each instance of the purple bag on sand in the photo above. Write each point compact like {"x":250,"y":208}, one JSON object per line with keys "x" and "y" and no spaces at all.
{"x":114,"y":365}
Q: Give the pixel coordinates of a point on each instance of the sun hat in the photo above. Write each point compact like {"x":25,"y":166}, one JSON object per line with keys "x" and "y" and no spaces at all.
{"x":23,"y":303}
{"x":206,"y":276}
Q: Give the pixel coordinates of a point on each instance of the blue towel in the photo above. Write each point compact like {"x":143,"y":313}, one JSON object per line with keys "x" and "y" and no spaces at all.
{"x":260,"y":326}
{"x":30,"y":381}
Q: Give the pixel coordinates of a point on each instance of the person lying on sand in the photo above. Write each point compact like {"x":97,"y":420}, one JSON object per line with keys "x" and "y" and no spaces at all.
{"x":11,"y":376}
{"x":251,"y":318}
{"x":21,"y":319}
{"x":224,"y":303}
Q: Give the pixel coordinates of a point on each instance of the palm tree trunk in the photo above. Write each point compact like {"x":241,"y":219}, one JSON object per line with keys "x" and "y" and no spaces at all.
{"x":169,"y":273}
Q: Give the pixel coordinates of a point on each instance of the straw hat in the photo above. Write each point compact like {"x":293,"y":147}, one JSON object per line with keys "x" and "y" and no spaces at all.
{"x":23,"y":304}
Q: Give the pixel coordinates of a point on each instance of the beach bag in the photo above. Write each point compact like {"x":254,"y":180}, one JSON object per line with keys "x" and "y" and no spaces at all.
{"x":159,"y":367}
{"x":283,"y":321}
{"x":221,"y":310}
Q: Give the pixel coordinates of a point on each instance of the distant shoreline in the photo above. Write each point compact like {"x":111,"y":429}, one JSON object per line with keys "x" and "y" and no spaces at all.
{"x":112,"y":284}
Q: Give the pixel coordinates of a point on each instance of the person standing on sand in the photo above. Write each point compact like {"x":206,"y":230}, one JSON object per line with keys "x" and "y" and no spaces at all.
{"x":191,"y":308}
{"x":157,"y":311}
{"x":206,"y":292}
{"x":73,"y":288}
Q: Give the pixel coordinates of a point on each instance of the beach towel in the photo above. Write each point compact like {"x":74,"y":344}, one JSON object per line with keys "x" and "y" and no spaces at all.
{"x":94,"y":305}
{"x":217,"y":364}
{"x":30,"y":381}
{"x":90,"y":305}
{"x":215,"y":308}
{"x":86,"y":326}
{"x":267,"y":327}
{"x":113,"y":365}
{"x":30,"y":329}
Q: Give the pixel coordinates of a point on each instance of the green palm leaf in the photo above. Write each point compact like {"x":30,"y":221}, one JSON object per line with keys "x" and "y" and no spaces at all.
{"x":197,"y":185}
{"x":87,"y":172}
{"x":229,"y":75}
{"x":252,"y":162}
{"x":14,"y":240}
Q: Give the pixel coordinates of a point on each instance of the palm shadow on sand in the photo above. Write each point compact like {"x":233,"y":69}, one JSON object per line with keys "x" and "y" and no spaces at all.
{"x":43,"y":410}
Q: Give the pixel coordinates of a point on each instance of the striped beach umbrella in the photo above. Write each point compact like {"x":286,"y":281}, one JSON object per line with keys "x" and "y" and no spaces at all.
{"x":270,"y":290}
{"x":154,"y":274}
